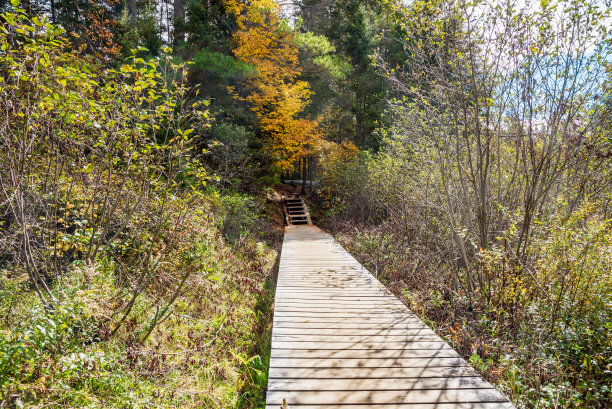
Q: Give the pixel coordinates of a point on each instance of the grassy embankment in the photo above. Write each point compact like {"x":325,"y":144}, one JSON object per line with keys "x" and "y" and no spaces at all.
{"x":210,"y":351}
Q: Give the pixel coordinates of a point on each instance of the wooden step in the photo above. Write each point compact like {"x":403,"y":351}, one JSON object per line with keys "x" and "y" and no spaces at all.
{"x":295,"y":209}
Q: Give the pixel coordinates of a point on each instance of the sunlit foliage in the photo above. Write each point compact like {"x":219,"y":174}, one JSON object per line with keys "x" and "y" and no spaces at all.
{"x":276,"y":94}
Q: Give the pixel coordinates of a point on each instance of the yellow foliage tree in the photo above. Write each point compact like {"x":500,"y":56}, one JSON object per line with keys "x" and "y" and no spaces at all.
{"x":276,"y":95}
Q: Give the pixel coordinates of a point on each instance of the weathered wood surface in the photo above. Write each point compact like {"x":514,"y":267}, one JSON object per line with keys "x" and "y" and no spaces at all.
{"x":341,"y":340}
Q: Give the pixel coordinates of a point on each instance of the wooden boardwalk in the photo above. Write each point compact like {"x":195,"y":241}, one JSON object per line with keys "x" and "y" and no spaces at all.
{"x":341,"y":340}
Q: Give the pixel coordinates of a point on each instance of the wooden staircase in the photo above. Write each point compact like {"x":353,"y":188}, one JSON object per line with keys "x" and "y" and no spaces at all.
{"x":296,"y":212}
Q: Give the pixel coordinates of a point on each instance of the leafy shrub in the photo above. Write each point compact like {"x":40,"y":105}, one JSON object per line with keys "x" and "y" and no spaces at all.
{"x":117,"y":288}
{"x":107,"y":165}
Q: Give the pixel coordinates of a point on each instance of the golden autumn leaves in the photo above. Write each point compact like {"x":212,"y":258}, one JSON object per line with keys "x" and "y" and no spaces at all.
{"x":276,"y":94}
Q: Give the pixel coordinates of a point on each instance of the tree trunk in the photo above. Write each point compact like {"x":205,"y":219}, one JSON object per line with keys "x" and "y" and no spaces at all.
{"x":133,"y":12}
{"x":53,"y":18}
{"x":303,"y":192}
{"x":310,"y":174}
{"x":179,"y":22}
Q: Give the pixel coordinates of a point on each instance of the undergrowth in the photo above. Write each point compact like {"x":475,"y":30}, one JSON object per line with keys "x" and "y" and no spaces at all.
{"x":544,"y":350}
{"x":210,"y":349}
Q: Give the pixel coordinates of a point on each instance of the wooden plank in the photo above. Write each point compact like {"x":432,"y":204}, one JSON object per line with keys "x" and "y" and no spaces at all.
{"x":351,"y":322}
{"x":380,"y":384}
{"x":325,"y":283}
{"x":321,"y":286}
{"x":355,"y":338}
{"x":321,"y":295}
{"x":359,"y":373}
{"x":313,"y":277}
{"x":364,"y":353}
{"x":283,"y":303}
{"x":341,"y":325}
{"x":293,"y":281}
{"x":345,"y":289}
{"x":287,"y":301}
{"x":341,"y":297}
{"x":316,"y":272}
{"x":339,"y":317}
{"x":330,"y":292}
{"x":365,"y":362}
{"x":344,"y":310}
{"x":318,"y":299}
{"x":334,"y":264}
{"x":304,"y":271}
{"x":343,"y":315}
{"x":365,"y":306}
{"x":360,"y":312}
{"x":300,"y":260}
{"x":362,"y":345}
{"x":454,"y":405}
{"x":365,"y":315}
{"x":337,"y":300}
{"x":348,"y":332}
{"x":367,"y":396}
{"x":327,"y":292}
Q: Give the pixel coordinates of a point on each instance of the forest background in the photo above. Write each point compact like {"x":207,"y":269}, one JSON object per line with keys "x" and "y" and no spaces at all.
{"x":461,"y":150}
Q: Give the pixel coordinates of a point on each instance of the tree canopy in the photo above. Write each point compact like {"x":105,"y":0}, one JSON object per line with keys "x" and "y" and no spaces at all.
{"x":275,"y":92}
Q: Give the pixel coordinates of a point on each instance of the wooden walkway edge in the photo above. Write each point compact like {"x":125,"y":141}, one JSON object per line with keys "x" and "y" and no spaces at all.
{"x":341,"y":340}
